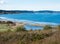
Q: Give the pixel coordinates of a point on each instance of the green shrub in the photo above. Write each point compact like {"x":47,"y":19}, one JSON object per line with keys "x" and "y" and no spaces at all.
{"x":20,"y":28}
{"x":9,"y":30}
{"x":47,"y":27}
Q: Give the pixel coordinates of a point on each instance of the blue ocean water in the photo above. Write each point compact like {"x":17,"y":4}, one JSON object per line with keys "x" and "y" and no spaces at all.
{"x":37,"y":17}
{"x":53,"y":18}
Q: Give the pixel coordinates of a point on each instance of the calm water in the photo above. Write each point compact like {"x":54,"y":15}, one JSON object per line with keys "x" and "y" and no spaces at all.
{"x":36,"y":17}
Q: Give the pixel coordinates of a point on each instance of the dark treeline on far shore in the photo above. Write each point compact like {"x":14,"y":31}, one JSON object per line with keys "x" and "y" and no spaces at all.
{"x":26,"y":11}
{"x":14,"y":11}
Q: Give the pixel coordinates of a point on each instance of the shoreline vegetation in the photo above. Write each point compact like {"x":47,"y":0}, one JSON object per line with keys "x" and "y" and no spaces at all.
{"x":26,"y":11}
{"x":16,"y":33}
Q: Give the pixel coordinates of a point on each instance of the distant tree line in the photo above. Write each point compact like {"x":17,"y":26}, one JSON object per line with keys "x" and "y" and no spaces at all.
{"x":26,"y":11}
{"x":13,"y":11}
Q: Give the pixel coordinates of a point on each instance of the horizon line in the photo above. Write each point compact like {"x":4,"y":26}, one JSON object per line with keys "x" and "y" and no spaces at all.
{"x":31,"y":10}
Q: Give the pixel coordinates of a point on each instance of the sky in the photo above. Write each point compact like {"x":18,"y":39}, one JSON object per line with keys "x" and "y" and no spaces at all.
{"x":30,"y":5}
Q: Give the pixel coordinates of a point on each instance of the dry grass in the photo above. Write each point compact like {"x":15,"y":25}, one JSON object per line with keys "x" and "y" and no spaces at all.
{"x":30,"y":37}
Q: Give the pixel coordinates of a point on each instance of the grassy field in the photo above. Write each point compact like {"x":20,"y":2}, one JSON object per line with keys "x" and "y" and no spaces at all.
{"x":4,"y":27}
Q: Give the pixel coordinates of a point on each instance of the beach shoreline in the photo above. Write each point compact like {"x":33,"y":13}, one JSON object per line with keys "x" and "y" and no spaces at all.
{"x":33,"y":23}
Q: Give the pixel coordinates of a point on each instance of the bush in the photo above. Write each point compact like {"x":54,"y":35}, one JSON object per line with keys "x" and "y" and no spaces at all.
{"x":47,"y":27}
{"x":9,"y":30}
{"x":20,"y":28}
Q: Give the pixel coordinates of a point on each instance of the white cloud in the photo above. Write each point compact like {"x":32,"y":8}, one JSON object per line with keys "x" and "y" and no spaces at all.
{"x":2,"y":2}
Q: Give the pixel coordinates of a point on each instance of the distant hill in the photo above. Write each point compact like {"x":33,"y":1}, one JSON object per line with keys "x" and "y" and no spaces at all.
{"x":13,"y":11}
{"x":25,"y":11}
{"x":48,"y":11}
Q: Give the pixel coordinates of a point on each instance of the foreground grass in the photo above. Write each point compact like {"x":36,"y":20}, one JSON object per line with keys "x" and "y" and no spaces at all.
{"x":30,"y":37}
{"x":23,"y":36}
